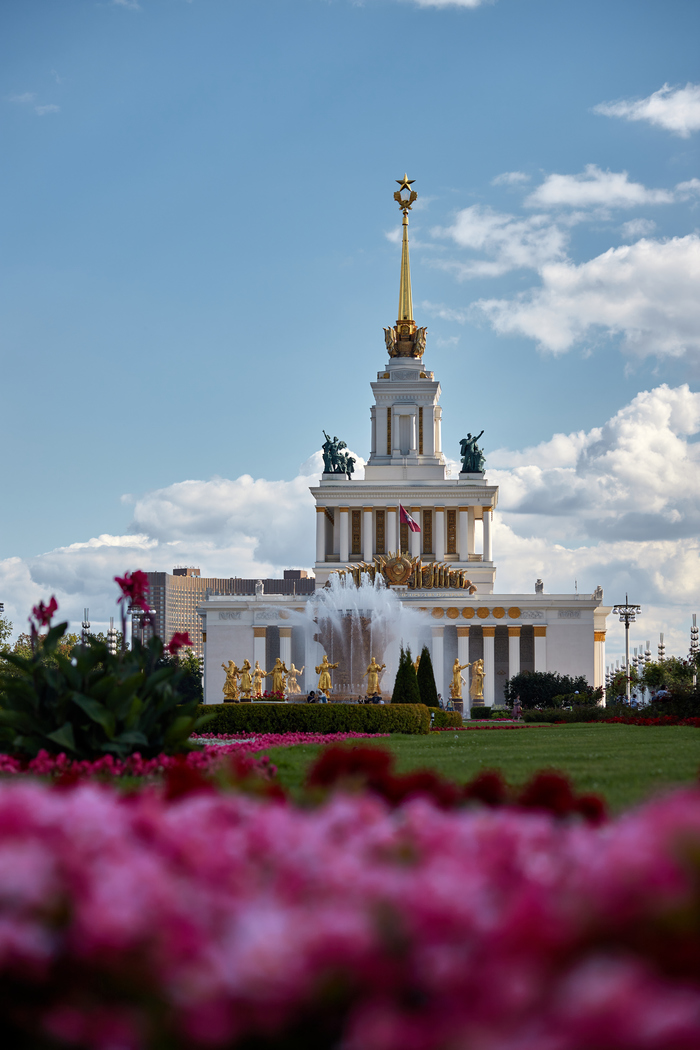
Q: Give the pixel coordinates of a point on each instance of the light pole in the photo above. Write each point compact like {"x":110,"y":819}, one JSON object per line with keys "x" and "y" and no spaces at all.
{"x":86,"y":626}
{"x":627,"y":614}
{"x":661,"y":647}
{"x":694,"y":648}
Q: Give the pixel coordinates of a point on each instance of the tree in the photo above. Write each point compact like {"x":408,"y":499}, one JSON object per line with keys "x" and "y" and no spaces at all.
{"x":5,"y":632}
{"x":190,"y":685}
{"x":406,"y":689}
{"x":539,"y":688}
{"x":669,"y":673}
{"x":426,"y":679}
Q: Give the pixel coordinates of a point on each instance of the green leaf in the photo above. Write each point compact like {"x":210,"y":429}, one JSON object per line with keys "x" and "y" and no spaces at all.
{"x":131,"y":737}
{"x":96,"y":711}
{"x":63,"y":737}
{"x":179,"y":730}
{"x":17,"y":719}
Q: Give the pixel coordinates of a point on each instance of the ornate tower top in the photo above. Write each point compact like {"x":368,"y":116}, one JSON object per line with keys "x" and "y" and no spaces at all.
{"x":405,"y":340}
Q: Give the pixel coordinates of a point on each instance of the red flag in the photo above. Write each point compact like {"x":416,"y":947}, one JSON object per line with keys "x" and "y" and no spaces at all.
{"x":408,"y":520}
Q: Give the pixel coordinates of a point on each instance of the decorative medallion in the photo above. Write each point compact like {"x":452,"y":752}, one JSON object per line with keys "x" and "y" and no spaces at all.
{"x":453,"y":613}
{"x":499,"y":612}
{"x":468,"y":613}
{"x":438,"y":614}
{"x":482,"y":612}
{"x":398,"y":569}
{"x":284,"y":615}
{"x":514,"y":612}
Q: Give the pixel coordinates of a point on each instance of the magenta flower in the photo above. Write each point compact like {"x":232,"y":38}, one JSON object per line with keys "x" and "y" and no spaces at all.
{"x":178,"y":641}
{"x":43,"y":614}
{"x":134,"y":588}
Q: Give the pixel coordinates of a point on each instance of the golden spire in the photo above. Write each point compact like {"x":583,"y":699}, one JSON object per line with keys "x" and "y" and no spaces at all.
{"x":405,"y":297}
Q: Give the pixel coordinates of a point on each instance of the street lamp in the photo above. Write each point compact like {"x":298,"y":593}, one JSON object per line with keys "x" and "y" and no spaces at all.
{"x":694,"y":648}
{"x":627,"y":614}
{"x":86,"y":626}
{"x":661,"y":647}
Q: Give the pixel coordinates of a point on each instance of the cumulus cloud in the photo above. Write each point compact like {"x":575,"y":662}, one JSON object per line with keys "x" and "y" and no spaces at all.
{"x":595,"y":188}
{"x":452,"y":3}
{"x":511,"y":242}
{"x":676,"y":109}
{"x":646,"y":292}
{"x":637,"y":228}
{"x":510,"y":178}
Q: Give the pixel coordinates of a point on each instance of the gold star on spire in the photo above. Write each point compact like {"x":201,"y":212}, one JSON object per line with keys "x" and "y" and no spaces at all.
{"x":405,"y":183}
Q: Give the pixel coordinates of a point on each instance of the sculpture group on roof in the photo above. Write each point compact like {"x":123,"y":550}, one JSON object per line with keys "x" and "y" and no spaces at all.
{"x":336,"y":457}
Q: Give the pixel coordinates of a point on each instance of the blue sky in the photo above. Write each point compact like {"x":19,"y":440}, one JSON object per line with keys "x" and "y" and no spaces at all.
{"x":198,"y":258}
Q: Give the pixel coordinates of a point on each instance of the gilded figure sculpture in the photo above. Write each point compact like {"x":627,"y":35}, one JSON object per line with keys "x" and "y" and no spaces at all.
{"x":402,"y":570}
{"x":324,"y":670}
{"x":416,"y":663}
{"x":456,"y":683}
{"x":258,"y":676}
{"x":279,"y":677}
{"x":230,"y":689}
{"x":246,"y":680}
{"x":293,"y":686}
{"x":476,"y":689}
{"x":372,"y":675}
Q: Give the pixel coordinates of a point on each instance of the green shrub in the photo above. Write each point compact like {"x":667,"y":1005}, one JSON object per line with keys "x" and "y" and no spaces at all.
{"x":578,"y":714}
{"x":406,"y":689}
{"x":480,"y":712}
{"x":317,"y":718}
{"x":426,"y":680}
{"x":90,"y":702}
{"x":539,"y":688}
{"x":445,"y":719}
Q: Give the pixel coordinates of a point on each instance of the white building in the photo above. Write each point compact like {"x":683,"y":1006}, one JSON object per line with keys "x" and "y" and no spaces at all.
{"x":358,"y":524}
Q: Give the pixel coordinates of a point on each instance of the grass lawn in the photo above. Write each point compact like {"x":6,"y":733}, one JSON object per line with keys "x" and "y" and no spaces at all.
{"x":623,"y":763}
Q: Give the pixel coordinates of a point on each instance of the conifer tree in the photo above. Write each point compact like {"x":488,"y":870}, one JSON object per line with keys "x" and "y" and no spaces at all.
{"x":426,"y":679}
{"x":406,"y":689}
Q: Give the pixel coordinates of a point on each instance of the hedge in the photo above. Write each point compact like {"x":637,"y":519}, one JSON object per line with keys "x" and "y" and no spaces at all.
{"x":445,"y":719}
{"x":316,"y":718}
{"x":578,"y":714}
{"x":480,"y":712}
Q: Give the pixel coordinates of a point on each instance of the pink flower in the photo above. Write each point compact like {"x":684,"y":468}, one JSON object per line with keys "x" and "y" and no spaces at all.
{"x":134,"y":588}
{"x":178,"y":641}
{"x":43,"y":614}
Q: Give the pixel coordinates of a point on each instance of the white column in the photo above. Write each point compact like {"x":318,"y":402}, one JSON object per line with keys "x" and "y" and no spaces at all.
{"x":463,"y":657}
{"x":391,"y":533}
{"x":540,"y":648}
{"x":344,"y":514}
{"x":373,"y":417}
{"x":438,"y":658}
{"x":488,"y":549}
{"x":471,"y":546}
{"x":438,"y":430}
{"x":439,"y":534}
{"x":395,"y":435}
{"x":320,"y":534}
{"x":489,"y":666}
{"x":259,"y":640}
{"x":513,"y":651}
{"x":285,"y":646}
{"x":413,"y":441}
{"x":598,"y":659}
{"x":463,"y":535}
{"x":368,"y":535}
{"x":415,"y":537}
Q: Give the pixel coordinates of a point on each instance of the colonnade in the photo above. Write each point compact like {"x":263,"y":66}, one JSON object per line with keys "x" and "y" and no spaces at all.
{"x":447,"y":536}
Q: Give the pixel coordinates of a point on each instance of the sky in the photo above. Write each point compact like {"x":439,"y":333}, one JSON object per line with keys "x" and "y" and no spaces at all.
{"x":199,"y":251}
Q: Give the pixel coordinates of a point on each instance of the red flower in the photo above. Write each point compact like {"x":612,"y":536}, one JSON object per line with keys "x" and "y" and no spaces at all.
{"x":134,"y":588}
{"x":178,"y":640}
{"x":44,"y":613}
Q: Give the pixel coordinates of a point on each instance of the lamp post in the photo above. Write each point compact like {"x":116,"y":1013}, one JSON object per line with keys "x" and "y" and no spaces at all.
{"x":627,"y":614}
{"x":86,"y":626}
{"x":661,"y":647}
{"x":694,"y":648}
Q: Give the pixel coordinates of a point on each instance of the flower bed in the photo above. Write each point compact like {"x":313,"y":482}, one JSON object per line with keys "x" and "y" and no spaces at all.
{"x":214,"y":920}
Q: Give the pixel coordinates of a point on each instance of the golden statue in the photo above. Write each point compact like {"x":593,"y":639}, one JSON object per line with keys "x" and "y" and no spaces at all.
{"x":293,"y":686}
{"x":258,"y":675}
{"x":279,"y":677}
{"x":456,"y":683}
{"x":476,"y":689}
{"x":324,"y":670}
{"x":372,"y":675}
{"x":246,"y":680}
{"x":416,"y":663}
{"x":230,"y":689}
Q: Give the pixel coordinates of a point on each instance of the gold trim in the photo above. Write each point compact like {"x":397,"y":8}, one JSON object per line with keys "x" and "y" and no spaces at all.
{"x":599,"y":636}
{"x":462,"y":632}
{"x":514,"y":612}
{"x":285,"y":632}
{"x":420,"y":430}
{"x":513,"y":632}
{"x":259,"y":632}
{"x":468,"y":613}
{"x":499,"y":612}
{"x":438,"y":614}
{"x":540,"y":632}
{"x":368,"y":510}
{"x":482,"y":612}
{"x":320,"y":510}
{"x":453,"y":613}
{"x":489,"y":632}
{"x":343,"y":510}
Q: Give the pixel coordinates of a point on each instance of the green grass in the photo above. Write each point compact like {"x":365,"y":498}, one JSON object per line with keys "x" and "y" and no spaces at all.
{"x":625,"y":764}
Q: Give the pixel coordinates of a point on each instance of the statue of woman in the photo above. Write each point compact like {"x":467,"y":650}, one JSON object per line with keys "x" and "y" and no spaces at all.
{"x":258,"y":675}
{"x":230,"y":689}
{"x":456,"y":683}
{"x":476,"y":689}
{"x":372,"y":675}
{"x":246,"y":680}
{"x":324,"y":670}
{"x":279,"y":677}
{"x":293,"y":686}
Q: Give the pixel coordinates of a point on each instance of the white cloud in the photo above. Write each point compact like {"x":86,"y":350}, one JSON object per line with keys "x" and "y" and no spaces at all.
{"x":132,"y":4}
{"x":595,"y":188}
{"x":43,"y":110}
{"x":24,"y":99}
{"x":511,"y":242}
{"x":637,"y":228}
{"x":676,"y":109}
{"x":647,"y":292}
{"x":451,"y":3}
{"x":510,"y":178}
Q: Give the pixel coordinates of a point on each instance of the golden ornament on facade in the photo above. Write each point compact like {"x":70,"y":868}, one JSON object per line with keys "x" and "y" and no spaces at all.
{"x":468,"y":613}
{"x":401,"y":570}
{"x":514,"y":612}
{"x":499,"y":612}
{"x":453,"y":613}
{"x":438,"y":614}
{"x":284,"y":615}
{"x":482,"y":612}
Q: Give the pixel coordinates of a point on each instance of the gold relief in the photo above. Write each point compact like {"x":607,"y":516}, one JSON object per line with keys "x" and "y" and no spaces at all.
{"x":599,"y":636}
{"x":259,"y":632}
{"x":489,"y":632}
{"x":420,"y":431}
{"x":514,"y":612}
{"x":451,"y":530}
{"x":453,"y":613}
{"x":482,"y":612}
{"x":540,"y":632}
{"x":462,"y":632}
{"x":499,"y":612}
{"x":513,"y":632}
{"x":468,"y":613}
{"x":438,"y":614}
{"x":284,"y":615}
